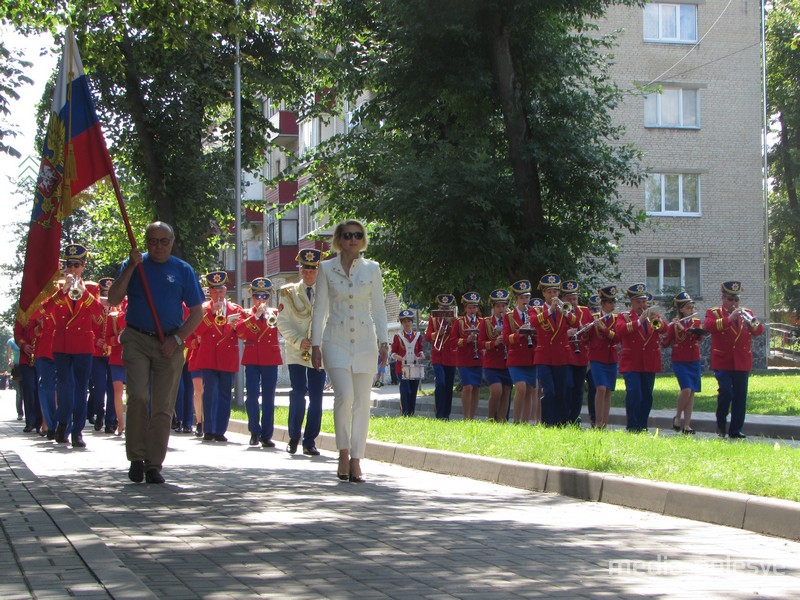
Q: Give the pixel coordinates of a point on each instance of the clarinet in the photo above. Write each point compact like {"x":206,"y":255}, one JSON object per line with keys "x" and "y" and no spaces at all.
{"x":499,"y":329}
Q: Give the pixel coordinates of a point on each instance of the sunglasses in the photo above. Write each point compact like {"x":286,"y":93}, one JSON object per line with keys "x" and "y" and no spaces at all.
{"x":74,"y":263}
{"x":349,"y":235}
{"x":733,"y":298}
{"x":156,"y":241}
{"x":308,"y":268}
{"x":260,"y":296}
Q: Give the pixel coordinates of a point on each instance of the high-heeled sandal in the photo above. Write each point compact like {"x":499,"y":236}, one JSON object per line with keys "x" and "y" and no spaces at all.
{"x":343,"y":476}
{"x":675,"y":427}
{"x":356,"y":478}
{"x":689,"y":431}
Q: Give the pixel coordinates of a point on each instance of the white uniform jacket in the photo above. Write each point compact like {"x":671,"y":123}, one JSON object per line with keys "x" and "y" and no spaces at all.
{"x":349,"y":317}
{"x":294,"y":321}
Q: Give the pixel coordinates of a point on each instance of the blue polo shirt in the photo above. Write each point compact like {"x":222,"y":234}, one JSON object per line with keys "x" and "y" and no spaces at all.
{"x":172,"y":284}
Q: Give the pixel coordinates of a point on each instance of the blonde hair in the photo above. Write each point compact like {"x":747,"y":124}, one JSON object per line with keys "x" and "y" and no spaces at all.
{"x":337,"y":235}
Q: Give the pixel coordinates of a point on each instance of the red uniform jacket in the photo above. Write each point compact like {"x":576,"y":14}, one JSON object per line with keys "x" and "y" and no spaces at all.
{"x":44,"y":331}
{"x":521,"y":348}
{"x":491,"y":329}
{"x":399,"y":348}
{"x":219,"y":346}
{"x":685,"y":344}
{"x":115,"y":323}
{"x":260,"y":340}
{"x":463,"y":350}
{"x":76,"y":322}
{"x":445,"y":355}
{"x":731,"y":343}
{"x":552,"y":342}
{"x":641,"y":351}
{"x":581,"y":359}
{"x":25,"y":336}
{"x":603,"y":344}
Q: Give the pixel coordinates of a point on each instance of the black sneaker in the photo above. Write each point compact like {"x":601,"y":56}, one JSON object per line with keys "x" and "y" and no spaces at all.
{"x":153,"y":476}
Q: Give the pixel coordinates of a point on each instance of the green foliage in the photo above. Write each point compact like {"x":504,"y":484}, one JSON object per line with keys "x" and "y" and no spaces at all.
{"x":11,"y":79}
{"x":486,"y":151}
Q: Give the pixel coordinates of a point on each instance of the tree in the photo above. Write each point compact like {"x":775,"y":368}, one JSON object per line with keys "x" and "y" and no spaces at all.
{"x":11,"y":79}
{"x":486,"y":152}
{"x":783,"y":94}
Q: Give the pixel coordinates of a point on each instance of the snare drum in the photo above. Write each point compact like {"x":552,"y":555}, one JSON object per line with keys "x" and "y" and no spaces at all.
{"x":413,"y":371}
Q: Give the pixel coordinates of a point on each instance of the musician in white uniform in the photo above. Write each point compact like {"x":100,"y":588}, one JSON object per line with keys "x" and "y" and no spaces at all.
{"x":348,"y":324}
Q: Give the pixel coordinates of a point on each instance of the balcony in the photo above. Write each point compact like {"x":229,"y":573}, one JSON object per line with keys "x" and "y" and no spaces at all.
{"x":286,"y":130}
{"x":284,"y":193}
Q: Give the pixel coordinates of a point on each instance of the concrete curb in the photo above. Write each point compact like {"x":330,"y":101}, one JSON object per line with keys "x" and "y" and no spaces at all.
{"x":779,"y":518}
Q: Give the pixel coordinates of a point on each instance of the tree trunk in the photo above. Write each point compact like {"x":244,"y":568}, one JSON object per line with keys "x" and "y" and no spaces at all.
{"x":152,"y":164}
{"x":518,"y":133}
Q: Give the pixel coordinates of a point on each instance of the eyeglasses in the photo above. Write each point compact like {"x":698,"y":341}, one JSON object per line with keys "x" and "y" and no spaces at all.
{"x":349,"y":235}
{"x":74,"y":263}
{"x":165,"y":241}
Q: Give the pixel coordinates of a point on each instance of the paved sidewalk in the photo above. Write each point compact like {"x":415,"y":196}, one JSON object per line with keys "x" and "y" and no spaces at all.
{"x":233,"y":521}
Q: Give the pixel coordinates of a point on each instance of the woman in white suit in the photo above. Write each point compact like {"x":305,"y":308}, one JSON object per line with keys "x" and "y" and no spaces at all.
{"x":349,"y":331}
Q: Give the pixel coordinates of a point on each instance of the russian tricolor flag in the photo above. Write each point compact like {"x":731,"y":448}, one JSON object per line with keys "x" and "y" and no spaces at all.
{"x":73,"y":158}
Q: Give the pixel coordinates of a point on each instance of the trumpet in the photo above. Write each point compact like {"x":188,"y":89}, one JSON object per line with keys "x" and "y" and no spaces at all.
{"x":563,"y":307}
{"x":219,"y":318}
{"x":305,"y":355}
{"x":74,"y":292}
{"x":656,"y":321}
{"x":749,"y":318}
{"x":272,"y":320}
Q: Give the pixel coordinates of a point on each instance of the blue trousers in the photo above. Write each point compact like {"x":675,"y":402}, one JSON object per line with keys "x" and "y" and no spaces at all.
{"x":732,"y":395}
{"x":575,"y":396}
{"x":72,"y":380}
{"x":46,"y":373}
{"x":261,"y":380}
{"x":408,"y":396}
{"x":443,"y":392}
{"x":217,"y":387}
{"x":638,"y":399}
{"x":30,"y":396}
{"x":184,"y":402}
{"x":305,"y":380}
{"x":590,"y":393}
{"x":99,"y":384}
{"x":555,"y":381}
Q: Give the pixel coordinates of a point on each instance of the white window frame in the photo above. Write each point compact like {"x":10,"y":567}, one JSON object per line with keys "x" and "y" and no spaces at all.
{"x":661,"y":8}
{"x":663,"y":212}
{"x":658,"y":98}
{"x":657,"y":290}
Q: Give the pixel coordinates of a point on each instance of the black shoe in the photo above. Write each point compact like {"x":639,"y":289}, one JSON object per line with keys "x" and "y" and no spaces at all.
{"x":28,"y":428}
{"x":51,"y":434}
{"x":220,"y":438}
{"x":267,"y":444}
{"x":20,"y":417}
{"x":675,"y":427}
{"x":198,"y":430}
{"x":186,"y":429}
{"x":254,"y":440}
{"x":208,"y":437}
{"x":291,"y":448}
{"x":153,"y":476}
{"x":109,"y":429}
{"x":177,"y":426}
{"x":61,"y":433}
{"x":77,"y":441}
{"x":737,"y":435}
{"x":136,"y":472}
{"x":310,"y":451}
{"x":689,"y":431}
{"x":91,"y":419}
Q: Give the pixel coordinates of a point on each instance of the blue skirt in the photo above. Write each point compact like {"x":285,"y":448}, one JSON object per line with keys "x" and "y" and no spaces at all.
{"x":604,"y":374}
{"x":117,"y":373}
{"x":497,"y":376}
{"x":526,"y":374}
{"x":471,"y":375}
{"x":689,"y":374}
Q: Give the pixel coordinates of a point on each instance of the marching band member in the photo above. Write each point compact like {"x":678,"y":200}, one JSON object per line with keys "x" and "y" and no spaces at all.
{"x":732,"y":328}
{"x":684,"y":334}
{"x":521,"y":351}
{"x":438,"y":333}
{"x":579,"y":354}
{"x":591,"y":390}
{"x":114,"y":328}
{"x":192,"y":347}
{"x":407,"y":349}
{"x":26,"y":341}
{"x":603,"y":354}
{"x":490,"y":341}
{"x":101,"y":400}
{"x":638,"y":332}
{"x":468,"y":358}
{"x":77,"y":314}
{"x":260,"y":358}
{"x":44,"y":330}
{"x":294,"y":323}
{"x":217,"y":356}
{"x":553,"y":350}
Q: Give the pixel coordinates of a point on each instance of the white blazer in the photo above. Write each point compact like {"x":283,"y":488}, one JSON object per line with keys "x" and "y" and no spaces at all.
{"x":294,"y":321}
{"x":349,"y":316}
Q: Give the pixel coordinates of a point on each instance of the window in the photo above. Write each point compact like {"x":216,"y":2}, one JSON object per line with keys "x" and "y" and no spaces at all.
{"x":675,"y":23}
{"x":672,"y":107}
{"x":272,"y":230}
{"x":281,"y":231}
{"x":668,"y":276}
{"x":672,"y":194}
{"x":254,"y":247}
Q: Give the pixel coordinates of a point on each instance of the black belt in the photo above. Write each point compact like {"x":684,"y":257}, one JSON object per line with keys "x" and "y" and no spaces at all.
{"x":153,"y":333}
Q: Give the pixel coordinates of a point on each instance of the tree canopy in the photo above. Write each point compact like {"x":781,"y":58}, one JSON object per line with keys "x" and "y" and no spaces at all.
{"x":486,"y":150}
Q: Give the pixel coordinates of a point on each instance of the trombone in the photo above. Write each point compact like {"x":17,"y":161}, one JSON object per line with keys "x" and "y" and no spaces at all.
{"x":444,"y":328}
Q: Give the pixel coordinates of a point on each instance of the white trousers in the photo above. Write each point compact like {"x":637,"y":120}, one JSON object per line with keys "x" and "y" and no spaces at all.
{"x":351,"y":404}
